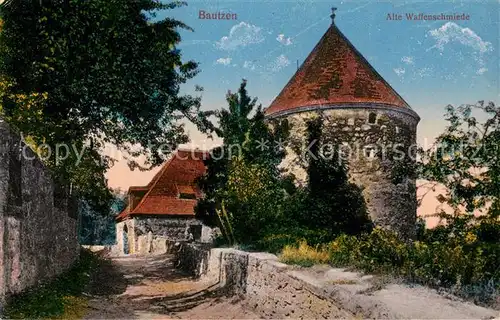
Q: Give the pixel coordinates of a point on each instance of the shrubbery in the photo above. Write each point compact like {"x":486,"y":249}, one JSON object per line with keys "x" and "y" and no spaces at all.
{"x":461,"y":262}
{"x":305,"y":255}
{"x":275,"y":243}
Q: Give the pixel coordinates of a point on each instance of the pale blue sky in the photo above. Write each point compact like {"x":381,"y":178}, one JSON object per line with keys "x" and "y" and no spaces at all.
{"x":430,"y":63}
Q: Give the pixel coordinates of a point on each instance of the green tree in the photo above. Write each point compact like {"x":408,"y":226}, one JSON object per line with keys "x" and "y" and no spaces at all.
{"x":243,"y":184}
{"x":108,"y":73}
{"x":466,"y":159}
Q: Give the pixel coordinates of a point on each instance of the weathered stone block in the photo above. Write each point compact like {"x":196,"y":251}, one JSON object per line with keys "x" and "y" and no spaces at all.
{"x":38,"y":240}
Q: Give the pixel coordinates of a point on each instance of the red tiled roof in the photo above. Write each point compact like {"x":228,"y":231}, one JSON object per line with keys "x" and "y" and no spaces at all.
{"x":177,"y":175}
{"x":165,"y":205}
{"x":334,"y":73}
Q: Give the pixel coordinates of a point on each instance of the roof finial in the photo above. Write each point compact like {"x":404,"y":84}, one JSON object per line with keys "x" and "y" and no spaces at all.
{"x":333,"y":14}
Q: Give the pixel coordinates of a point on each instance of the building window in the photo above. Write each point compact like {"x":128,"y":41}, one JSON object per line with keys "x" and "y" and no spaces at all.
{"x":372,"y":118}
{"x":187,"y":196}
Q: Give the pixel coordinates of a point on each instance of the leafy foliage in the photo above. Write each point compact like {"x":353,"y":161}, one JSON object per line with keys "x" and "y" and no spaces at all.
{"x":242,"y":185}
{"x":466,"y":159}
{"x":96,"y":228}
{"x":101,"y":72}
{"x":254,"y":199}
{"x":304,"y":255}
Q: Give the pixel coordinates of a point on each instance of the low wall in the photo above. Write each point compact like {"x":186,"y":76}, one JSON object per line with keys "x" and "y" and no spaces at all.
{"x":148,"y":235}
{"x":268,"y":289}
{"x":275,"y":290}
{"x":38,"y":220}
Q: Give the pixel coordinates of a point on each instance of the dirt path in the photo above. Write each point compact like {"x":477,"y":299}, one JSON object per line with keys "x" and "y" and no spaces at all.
{"x":151,"y":288}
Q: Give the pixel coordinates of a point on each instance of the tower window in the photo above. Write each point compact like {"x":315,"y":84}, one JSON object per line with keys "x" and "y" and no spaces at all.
{"x":285,"y":123}
{"x":344,"y":150}
{"x":372,"y":118}
{"x":369,"y":152}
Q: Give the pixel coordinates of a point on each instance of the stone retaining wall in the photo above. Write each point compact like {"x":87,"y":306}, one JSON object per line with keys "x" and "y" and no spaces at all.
{"x":275,"y":290}
{"x":259,"y":277}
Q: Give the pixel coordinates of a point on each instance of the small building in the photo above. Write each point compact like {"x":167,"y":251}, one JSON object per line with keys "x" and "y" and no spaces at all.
{"x":163,"y":209}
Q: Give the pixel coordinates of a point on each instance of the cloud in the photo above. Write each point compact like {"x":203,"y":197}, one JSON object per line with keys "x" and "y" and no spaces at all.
{"x":249,"y":65}
{"x":452,"y":32}
{"x":224,"y":61}
{"x":407,"y":60}
{"x":193,"y":42}
{"x":424,"y":72}
{"x":399,"y":71}
{"x":240,"y":35}
{"x":280,"y":62}
{"x":480,"y":71}
{"x":284,"y":40}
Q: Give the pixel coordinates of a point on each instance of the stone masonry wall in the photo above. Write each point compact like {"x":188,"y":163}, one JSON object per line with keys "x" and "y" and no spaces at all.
{"x":147,"y":235}
{"x":168,"y":227}
{"x":274,"y":290}
{"x":371,"y":139}
{"x":38,"y":224}
{"x":268,"y":290}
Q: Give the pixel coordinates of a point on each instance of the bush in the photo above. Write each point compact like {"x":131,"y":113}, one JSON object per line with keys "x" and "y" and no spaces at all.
{"x":462,"y":264}
{"x":344,"y":251}
{"x":278,"y":239}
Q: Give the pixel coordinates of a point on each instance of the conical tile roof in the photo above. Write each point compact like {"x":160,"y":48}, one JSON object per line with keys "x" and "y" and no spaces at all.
{"x":334,"y":73}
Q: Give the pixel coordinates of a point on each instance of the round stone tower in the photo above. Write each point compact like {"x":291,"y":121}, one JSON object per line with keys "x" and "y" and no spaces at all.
{"x":362,"y":113}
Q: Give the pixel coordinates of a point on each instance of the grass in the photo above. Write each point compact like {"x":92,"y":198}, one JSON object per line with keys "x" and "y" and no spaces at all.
{"x":468,"y":270}
{"x":304,"y":255}
{"x":61,"y":298}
